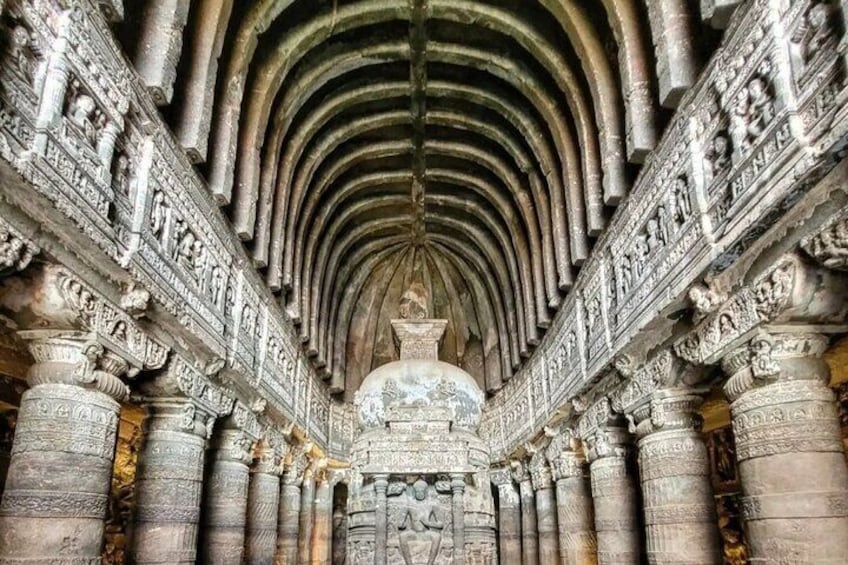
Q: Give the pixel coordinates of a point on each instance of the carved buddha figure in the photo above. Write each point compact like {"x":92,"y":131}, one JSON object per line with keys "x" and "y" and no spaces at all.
{"x":420,"y":521}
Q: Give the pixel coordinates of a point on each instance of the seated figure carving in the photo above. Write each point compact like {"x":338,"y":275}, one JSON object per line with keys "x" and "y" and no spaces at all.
{"x":421,"y":521}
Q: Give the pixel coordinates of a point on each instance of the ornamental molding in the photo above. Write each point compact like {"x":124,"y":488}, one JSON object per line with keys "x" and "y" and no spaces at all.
{"x":791,"y":291}
{"x":16,"y":250}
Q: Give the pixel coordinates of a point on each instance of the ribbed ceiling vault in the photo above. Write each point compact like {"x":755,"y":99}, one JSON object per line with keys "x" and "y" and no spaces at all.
{"x":475,"y":147}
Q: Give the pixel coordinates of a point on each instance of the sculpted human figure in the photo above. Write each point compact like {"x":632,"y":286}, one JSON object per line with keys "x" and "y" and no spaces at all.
{"x":761,"y":107}
{"x":81,"y":114}
{"x":421,"y":521}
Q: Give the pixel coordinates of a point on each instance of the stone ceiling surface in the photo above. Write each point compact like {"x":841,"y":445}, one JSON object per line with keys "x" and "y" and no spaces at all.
{"x":476,"y":146}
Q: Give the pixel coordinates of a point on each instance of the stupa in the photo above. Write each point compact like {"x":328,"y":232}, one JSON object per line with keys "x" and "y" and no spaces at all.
{"x":420,"y":493}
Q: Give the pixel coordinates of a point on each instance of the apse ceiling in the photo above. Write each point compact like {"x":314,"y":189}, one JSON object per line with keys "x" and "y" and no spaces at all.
{"x":475,"y":147}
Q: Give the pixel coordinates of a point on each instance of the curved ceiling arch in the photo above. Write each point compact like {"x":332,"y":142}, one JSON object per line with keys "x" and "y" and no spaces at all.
{"x":475,"y":146}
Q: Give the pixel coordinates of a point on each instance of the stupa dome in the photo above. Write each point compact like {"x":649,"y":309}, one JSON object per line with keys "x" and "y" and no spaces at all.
{"x":434,"y":387}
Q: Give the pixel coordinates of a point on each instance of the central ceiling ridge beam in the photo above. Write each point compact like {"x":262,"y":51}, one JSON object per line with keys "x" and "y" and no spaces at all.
{"x":418,"y":110}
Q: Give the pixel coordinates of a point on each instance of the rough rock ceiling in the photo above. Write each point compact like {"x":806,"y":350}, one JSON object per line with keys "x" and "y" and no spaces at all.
{"x":478,"y":147}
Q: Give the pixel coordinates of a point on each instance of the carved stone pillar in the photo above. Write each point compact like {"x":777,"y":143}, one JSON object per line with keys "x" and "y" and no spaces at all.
{"x":509,"y":516}
{"x":288,"y":523}
{"x":381,"y":534}
{"x":322,"y":532}
{"x":546,"y":511}
{"x":225,"y":493}
{"x":789,"y":449}
{"x":263,"y":505}
{"x":575,"y":516}
{"x":307,"y":513}
{"x":169,"y":482}
{"x":679,"y":509}
{"x":680,"y":516}
{"x":458,"y":511}
{"x":57,"y":487}
{"x":613,"y":492}
{"x":529,"y":533}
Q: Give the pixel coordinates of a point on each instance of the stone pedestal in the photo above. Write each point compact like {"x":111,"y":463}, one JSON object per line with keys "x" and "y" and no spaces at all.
{"x":529,"y":533}
{"x":225,"y":498}
{"x":263,"y":502}
{"x":789,"y":449}
{"x":54,"y":503}
{"x":614,"y":495}
{"x":322,"y":530}
{"x":546,"y":512}
{"x":169,"y":483}
{"x":575,"y":516}
{"x":509,"y":516}
{"x":680,"y":519}
{"x":287,"y":523}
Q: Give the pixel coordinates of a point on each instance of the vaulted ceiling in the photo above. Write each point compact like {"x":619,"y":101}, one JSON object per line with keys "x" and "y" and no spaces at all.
{"x":476,"y":147}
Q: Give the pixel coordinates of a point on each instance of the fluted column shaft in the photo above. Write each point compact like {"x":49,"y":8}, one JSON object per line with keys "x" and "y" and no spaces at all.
{"x":529,"y":533}
{"x":509,"y":516}
{"x":679,"y":508}
{"x":789,"y":449}
{"x":306,"y":520}
{"x":57,"y":487}
{"x":225,"y":499}
{"x":263,"y":501}
{"x":169,"y":483}
{"x":575,"y":516}
{"x":288,"y":522}
{"x":546,"y":518}
{"x":614,"y":496}
{"x":322,"y":532}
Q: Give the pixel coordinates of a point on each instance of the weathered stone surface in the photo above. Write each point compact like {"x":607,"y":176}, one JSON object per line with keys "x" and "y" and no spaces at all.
{"x":791,"y":461}
{"x":57,"y":487}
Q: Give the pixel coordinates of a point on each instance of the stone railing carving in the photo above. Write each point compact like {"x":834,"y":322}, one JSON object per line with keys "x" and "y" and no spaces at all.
{"x":757,"y":130}
{"x":80,"y":127}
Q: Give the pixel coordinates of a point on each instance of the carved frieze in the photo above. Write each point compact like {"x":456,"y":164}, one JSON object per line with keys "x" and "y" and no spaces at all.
{"x":790,"y":290}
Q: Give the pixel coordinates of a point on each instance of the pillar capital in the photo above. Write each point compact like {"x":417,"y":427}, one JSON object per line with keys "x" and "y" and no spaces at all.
{"x":183,"y":380}
{"x":49,"y":297}
{"x":75,"y":358}
{"x":519,"y":471}
{"x":295,"y":466}
{"x":500,"y":476}
{"x":238,"y":434}
{"x":773,"y":355}
{"x":565,"y":455}
{"x":540,"y":472}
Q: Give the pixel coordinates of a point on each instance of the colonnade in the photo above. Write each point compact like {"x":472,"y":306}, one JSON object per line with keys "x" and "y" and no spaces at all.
{"x":212,"y":484}
{"x":631,"y":472}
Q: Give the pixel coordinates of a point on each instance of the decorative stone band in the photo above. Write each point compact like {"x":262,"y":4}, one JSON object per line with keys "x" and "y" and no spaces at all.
{"x":33,"y":503}
{"x":795,"y":505}
{"x":798,"y":417}
{"x":791,"y":291}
